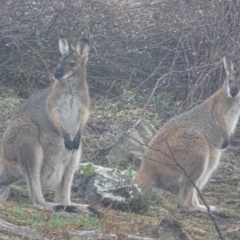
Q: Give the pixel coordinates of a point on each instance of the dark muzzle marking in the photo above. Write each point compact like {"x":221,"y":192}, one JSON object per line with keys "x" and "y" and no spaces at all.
{"x":58,"y":73}
{"x":234,"y":92}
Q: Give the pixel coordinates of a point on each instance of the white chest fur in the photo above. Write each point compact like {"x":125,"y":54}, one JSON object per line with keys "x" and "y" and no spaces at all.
{"x":69,"y":110}
{"x":232,"y":117}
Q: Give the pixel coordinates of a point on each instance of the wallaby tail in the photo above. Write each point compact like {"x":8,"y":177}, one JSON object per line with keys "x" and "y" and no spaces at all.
{"x":8,"y":176}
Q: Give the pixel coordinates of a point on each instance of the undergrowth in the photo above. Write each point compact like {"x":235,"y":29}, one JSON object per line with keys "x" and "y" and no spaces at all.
{"x":108,"y":120}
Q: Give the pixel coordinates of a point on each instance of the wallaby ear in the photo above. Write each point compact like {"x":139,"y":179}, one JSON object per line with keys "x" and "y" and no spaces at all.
{"x":228,"y":65}
{"x":64,"y":46}
{"x":83,"y":47}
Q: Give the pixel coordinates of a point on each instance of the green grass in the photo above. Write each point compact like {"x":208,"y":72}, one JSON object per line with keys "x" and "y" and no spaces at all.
{"x":84,"y":221}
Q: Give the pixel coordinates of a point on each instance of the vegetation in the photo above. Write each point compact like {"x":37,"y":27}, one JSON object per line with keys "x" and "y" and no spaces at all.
{"x":150,"y":60}
{"x":88,"y":171}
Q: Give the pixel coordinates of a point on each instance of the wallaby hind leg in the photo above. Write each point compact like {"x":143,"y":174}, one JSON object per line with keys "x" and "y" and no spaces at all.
{"x":188,"y":197}
{"x":32,"y":155}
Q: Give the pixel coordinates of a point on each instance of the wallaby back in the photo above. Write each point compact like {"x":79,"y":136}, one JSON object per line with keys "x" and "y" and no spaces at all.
{"x":189,"y":145}
{"x":42,"y":142}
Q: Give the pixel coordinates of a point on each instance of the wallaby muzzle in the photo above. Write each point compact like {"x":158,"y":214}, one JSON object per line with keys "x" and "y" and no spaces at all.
{"x":58,"y":73}
{"x":234,"y":92}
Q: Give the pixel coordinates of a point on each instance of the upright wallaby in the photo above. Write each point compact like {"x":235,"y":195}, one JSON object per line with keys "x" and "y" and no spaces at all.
{"x":42,"y":143}
{"x":193,"y":140}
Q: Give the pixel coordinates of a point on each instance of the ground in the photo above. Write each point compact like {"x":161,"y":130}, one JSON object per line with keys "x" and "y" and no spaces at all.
{"x":110,"y":118}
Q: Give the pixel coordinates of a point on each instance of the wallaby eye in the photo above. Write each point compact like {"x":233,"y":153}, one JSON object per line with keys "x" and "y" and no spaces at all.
{"x":72,"y":64}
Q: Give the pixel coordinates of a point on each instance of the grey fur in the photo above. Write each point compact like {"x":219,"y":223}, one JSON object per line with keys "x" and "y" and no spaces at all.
{"x":42,"y":143}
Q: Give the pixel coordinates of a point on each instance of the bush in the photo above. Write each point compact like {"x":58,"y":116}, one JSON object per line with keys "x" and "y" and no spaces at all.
{"x":167,"y":46}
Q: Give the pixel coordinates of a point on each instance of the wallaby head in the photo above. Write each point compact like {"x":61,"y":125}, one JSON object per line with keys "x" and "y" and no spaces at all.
{"x":232,"y":83}
{"x":73,"y":60}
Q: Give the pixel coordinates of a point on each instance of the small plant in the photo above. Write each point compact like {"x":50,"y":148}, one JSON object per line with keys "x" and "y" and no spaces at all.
{"x":88,"y":171}
{"x":163,"y":99}
{"x":130,"y":170}
{"x":152,"y":198}
{"x":110,"y":162}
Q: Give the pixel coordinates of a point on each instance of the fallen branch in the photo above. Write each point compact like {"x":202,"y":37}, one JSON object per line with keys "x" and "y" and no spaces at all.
{"x":27,"y":232}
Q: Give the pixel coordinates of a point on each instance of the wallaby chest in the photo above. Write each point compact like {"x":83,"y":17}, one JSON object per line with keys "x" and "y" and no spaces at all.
{"x":69,"y":110}
{"x":233,"y":116}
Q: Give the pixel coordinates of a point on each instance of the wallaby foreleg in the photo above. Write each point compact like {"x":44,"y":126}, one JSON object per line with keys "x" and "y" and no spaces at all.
{"x":188,"y":201}
{"x":63,"y":192}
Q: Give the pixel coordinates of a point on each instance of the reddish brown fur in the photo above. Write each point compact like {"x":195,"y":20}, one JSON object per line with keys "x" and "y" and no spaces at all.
{"x":193,"y":141}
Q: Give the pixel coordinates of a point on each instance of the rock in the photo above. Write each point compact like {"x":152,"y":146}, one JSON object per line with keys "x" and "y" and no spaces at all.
{"x":131,"y":145}
{"x":4,"y":193}
{"x":108,"y":186}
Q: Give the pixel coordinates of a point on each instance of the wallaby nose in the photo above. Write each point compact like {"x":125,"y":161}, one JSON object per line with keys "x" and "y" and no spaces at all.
{"x":234,"y":92}
{"x":58,"y":73}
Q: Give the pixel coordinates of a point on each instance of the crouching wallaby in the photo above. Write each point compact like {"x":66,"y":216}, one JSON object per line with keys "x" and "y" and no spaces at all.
{"x":190,"y":144}
{"x":42,"y":143}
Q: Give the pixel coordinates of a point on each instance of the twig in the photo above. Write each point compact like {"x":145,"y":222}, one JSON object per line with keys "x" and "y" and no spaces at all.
{"x":156,"y":85}
{"x":12,"y":229}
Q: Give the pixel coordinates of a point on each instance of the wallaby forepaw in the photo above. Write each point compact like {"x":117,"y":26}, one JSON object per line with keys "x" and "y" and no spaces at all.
{"x":68,"y":142}
{"x":70,"y":145}
{"x":76,"y":141}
